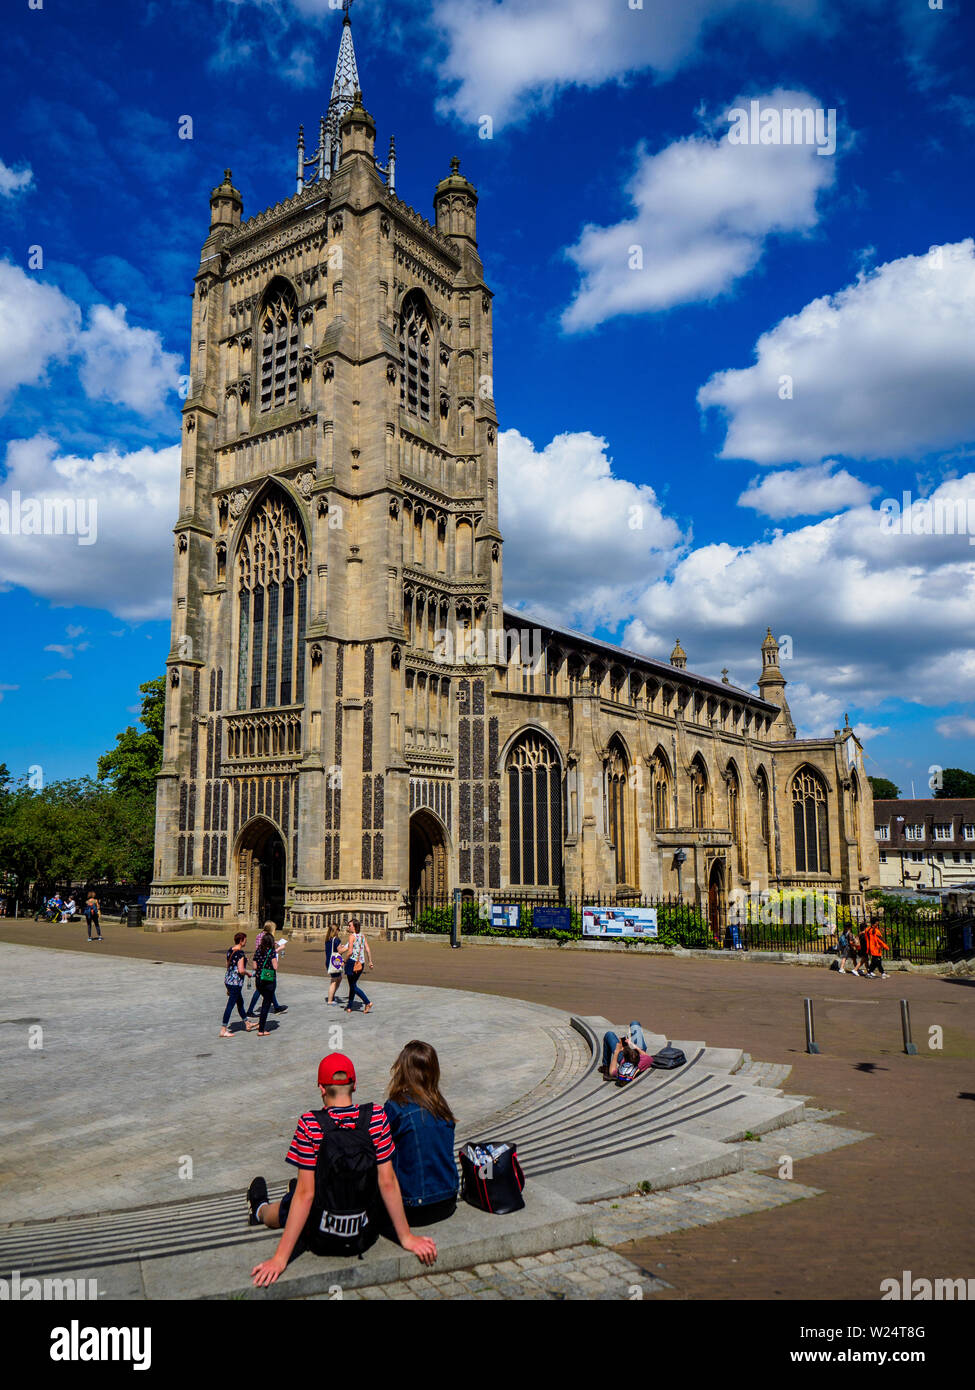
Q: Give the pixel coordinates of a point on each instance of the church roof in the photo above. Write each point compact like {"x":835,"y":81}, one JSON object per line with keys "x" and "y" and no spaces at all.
{"x":517,"y":618}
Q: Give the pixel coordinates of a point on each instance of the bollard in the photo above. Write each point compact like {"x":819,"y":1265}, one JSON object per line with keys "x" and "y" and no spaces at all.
{"x":455,"y":925}
{"x":811,"y":1043}
{"x":909,"y":1046}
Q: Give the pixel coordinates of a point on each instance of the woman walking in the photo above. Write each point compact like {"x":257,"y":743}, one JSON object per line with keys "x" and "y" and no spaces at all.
{"x":422,"y":1126}
{"x":333,"y":962}
{"x":93,"y":909}
{"x":356,"y":952}
{"x":265,"y":973}
{"x":237,"y":973}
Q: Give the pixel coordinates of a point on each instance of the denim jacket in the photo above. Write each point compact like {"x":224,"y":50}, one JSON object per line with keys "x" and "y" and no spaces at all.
{"x":424,"y":1160}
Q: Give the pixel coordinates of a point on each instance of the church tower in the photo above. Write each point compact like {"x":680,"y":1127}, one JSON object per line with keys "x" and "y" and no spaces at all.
{"x":771,"y":687}
{"x":337,"y":553}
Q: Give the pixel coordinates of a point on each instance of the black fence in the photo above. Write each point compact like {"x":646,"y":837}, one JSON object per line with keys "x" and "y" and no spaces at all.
{"x":922,"y":934}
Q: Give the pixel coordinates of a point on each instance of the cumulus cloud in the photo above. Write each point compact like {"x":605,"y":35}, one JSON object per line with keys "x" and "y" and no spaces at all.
{"x":807,"y":491}
{"x":883,"y":369}
{"x":39,"y":326}
{"x":118,"y":361}
{"x":5,"y":688}
{"x":956,"y":726}
{"x":59,"y":676}
{"x":703,"y":210}
{"x":580,"y":542}
{"x":13,"y":181}
{"x":874,"y":607}
{"x":132,"y":501}
{"x":124,"y":364}
{"x":507,"y":60}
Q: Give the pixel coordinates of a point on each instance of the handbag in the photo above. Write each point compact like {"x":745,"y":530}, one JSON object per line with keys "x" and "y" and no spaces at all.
{"x":492,"y":1179}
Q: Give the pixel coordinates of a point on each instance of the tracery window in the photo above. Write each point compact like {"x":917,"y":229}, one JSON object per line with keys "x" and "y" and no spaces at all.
{"x":810,"y":809}
{"x":699,"y":795}
{"x":279,"y":347}
{"x":620,"y":797}
{"x":660,"y":781}
{"x":534,"y":777}
{"x":415,"y":343}
{"x":764,"y":817}
{"x":272,"y":578}
{"x":734,"y":817}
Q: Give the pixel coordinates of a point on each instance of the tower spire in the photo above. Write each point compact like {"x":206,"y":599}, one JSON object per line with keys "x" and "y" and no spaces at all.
{"x":345,"y":84}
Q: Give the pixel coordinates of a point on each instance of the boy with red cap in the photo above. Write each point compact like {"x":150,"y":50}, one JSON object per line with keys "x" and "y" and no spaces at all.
{"x":322,"y":1145}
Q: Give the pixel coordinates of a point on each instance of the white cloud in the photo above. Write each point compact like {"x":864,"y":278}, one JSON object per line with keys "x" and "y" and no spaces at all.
{"x":14,"y":181}
{"x":882,"y":369}
{"x":580,"y":542}
{"x":810,"y":491}
{"x":5,"y":688}
{"x":119,"y":362}
{"x":507,"y":60}
{"x":128,"y":568}
{"x":59,"y":676}
{"x":956,"y":726}
{"x":124,"y":364}
{"x":39,"y":325}
{"x":704,"y":208}
{"x":66,"y":651}
{"x":73,"y":630}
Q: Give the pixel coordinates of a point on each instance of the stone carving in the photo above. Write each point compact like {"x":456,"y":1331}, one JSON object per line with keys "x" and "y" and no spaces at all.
{"x":304,"y":483}
{"x":231,"y":390}
{"x":183,"y":544}
{"x":328,"y":370}
{"x":391,"y":373}
{"x":394,"y":507}
{"x":336,"y":224}
{"x":384,"y":225}
{"x":492,"y":434}
{"x":245,"y":342}
{"x":174,"y":676}
{"x":238,"y":501}
{"x":190,"y":424}
{"x":245,"y":389}
{"x":444,"y":404}
{"x":305,"y":364}
{"x":323,"y":506}
{"x":395,"y":656}
{"x":316,"y":654}
{"x":307,"y":314}
{"x":444,"y":355}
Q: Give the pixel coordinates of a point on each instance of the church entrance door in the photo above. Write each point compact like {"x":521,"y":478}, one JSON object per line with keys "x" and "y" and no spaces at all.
{"x":428,"y":860}
{"x":716,"y":904}
{"x":261,"y":875}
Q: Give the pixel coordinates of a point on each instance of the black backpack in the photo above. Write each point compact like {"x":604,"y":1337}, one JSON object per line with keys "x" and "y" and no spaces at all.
{"x":669,"y":1057}
{"x":345,"y":1211}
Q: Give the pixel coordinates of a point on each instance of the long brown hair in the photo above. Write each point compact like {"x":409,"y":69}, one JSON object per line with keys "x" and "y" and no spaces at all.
{"x":415,"y":1075}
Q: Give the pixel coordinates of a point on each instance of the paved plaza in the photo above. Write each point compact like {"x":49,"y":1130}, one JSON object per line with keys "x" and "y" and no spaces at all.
{"x":132,"y":1081}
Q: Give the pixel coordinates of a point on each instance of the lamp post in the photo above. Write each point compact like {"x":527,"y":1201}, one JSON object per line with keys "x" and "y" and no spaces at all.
{"x":679,"y":859}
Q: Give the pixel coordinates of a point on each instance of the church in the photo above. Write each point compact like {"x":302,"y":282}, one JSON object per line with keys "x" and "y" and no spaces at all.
{"x":355,"y":722}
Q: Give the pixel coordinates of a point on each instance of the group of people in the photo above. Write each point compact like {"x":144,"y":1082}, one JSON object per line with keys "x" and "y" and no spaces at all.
{"x":364,"y":1170}
{"x":58,"y":909}
{"x":349,"y":958}
{"x":863,"y":951}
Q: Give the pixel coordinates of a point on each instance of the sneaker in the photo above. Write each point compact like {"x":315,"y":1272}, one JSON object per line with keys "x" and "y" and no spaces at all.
{"x":256,"y":1197}
{"x":281,"y":1009}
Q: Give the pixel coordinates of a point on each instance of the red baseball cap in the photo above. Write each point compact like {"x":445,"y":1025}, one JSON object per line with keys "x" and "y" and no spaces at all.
{"x":336,"y":1070}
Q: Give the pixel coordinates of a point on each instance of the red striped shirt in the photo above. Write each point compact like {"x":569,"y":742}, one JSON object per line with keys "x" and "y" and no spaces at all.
{"x":308,"y":1136}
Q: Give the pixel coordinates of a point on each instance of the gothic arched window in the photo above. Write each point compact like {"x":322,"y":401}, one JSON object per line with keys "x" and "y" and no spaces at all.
{"x":416,"y":346}
{"x":534,"y":776}
{"x":855,"y":814}
{"x":272,"y":578}
{"x":660,"y":781}
{"x":734,"y":817}
{"x":622,"y":813}
{"x":764,"y":817}
{"x":810,"y":810}
{"x":278,"y":327}
{"x":699,"y":795}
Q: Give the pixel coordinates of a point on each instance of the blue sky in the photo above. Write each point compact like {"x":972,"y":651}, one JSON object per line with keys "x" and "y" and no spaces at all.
{"x":654,"y":481}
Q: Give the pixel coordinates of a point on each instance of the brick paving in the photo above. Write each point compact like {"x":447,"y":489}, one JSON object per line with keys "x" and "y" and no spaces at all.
{"x":579,"y":1273}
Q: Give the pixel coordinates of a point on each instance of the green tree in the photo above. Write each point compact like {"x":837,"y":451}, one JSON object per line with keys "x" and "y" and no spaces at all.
{"x":130,"y":768}
{"x":956,"y":782}
{"x":884,"y":789}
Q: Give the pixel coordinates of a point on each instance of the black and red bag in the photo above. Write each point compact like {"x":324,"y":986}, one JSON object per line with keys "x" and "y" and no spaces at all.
{"x":492,"y":1179}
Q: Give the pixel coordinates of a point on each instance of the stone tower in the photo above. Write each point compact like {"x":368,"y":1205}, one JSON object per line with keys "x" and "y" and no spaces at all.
{"x":771,"y":687}
{"x":337,"y":539}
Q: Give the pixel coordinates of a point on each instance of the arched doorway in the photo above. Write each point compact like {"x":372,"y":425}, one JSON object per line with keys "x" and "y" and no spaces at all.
{"x":716,"y":899}
{"x":428,"y":858}
{"x":261,"y":874}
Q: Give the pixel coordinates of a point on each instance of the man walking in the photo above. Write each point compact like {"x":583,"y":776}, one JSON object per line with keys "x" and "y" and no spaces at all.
{"x":875,"y":945}
{"x":93,"y":916}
